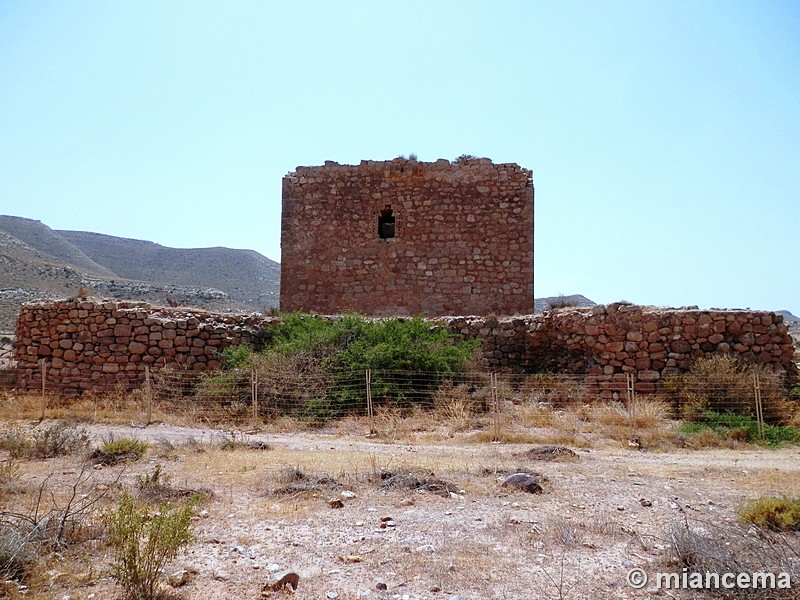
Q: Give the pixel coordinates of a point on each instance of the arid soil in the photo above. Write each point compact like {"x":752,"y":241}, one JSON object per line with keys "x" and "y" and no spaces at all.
{"x":471,"y":538}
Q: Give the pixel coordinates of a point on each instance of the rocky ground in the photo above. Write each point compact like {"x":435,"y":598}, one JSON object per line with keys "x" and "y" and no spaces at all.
{"x":361,"y":518}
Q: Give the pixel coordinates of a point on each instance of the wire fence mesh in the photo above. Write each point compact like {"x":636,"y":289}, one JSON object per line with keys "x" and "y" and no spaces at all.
{"x":489,"y":401}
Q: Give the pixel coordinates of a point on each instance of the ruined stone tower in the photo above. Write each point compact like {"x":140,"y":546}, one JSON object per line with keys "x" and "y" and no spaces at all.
{"x":403,"y":237}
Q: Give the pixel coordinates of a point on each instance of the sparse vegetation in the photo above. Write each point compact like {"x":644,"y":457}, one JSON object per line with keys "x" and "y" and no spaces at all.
{"x":113,"y":451}
{"x":775,"y":514}
{"x":143,"y":540}
{"x":722,"y":384}
{"x":722,"y":547}
{"x":741,"y":428}
{"x":52,"y":440}
{"x":59,"y":516}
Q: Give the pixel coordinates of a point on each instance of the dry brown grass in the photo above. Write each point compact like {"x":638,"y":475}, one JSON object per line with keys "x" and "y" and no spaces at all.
{"x":485,"y":542}
{"x":543,"y":409}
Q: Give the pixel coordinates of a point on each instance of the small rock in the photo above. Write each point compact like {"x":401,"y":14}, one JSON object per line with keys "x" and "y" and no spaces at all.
{"x":451,"y":568}
{"x":386,"y":518}
{"x":620,"y":508}
{"x":348,"y":495}
{"x":335,"y":503}
{"x":203,"y":513}
{"x":221,"y":575}
{"x":178,"y":578}
{"x":456,"y":597}
{"x":332,"y":595}
{"x":426,"y":548}
{"x":646,"y":503}
{"x":407,"y":502}
{"x":381,"y":586}
{"x":523,"y":481}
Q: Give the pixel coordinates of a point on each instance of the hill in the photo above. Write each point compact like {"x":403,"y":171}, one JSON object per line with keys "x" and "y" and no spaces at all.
{"x":37,"y":235}
{"x":39,"y":263}
{"x":543,"y":304}
{"x":245,"y":275}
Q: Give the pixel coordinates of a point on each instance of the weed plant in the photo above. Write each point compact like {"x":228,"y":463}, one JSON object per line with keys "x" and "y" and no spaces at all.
{"x":113,"y":451}
{"x":775,"y":514}
{"x":143,"y":540}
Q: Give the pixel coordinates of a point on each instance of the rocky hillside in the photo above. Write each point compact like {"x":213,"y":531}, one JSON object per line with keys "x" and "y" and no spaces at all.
{"x":37,"y":262}
{"x":794,"y":326}
{"x":245,"y":276}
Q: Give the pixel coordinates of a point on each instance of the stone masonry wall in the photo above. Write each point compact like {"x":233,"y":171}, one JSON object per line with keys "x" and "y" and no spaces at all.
{"x":97,"y":344}
{"x":606,"y":342}
{"x":91,"y":344}
{"x":462,"y":238}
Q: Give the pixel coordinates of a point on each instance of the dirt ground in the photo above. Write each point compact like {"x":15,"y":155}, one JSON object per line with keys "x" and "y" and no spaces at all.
{"x":599,"y":516}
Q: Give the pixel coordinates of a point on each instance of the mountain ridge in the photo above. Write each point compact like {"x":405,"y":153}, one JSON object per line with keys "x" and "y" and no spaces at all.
{"x":40,"y":263}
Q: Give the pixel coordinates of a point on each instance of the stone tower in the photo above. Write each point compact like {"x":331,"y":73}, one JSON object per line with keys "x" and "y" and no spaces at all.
{"x":403,"y":237}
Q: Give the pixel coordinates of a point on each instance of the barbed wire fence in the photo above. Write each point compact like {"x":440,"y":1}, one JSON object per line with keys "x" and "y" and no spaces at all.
{"x":491,"y":401}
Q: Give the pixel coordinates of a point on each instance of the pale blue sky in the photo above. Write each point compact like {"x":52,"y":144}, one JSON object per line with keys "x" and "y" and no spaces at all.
{"x":664,"y":136}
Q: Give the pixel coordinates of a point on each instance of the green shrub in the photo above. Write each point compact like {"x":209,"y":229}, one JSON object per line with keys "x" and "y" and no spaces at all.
{"x":776,"y":514}
{"x":742,"y":428}
{"x":409,"y":358}
{"x":113,"y":451}
{"x":142,"y":542}
{"x":236,"y":357}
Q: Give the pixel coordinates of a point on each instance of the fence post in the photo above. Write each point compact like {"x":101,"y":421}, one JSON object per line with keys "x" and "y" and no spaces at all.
{"x":496,"y":404}
{"x":148,"y":395}
{"x":43,"y":368}
{"x":370,"y":411}
{"x":759,"y":405}
{"x":254,"y":393}
{"x":631,"y":397}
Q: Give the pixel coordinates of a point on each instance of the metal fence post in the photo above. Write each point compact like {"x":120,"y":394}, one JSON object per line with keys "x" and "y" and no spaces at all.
{"x":496,"y":404}
{"x":254,"y":392}
{"x":631,"y":397}
{"x":148,"y":395}
{"x":370,"y":411}
{"x":43,"y":367}
{"x":759,"y":404}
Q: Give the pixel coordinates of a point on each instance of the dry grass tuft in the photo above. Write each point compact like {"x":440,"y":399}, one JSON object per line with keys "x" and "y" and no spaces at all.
{"x":294,"y":481}
{"x":775,"y":514}
{"x":706,"y":547}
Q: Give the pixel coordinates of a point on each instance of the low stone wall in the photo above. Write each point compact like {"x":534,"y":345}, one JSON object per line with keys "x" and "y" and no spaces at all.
{"x":96,"y":344}
{"x":91,"y":344}
{"x":607,"y":342}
